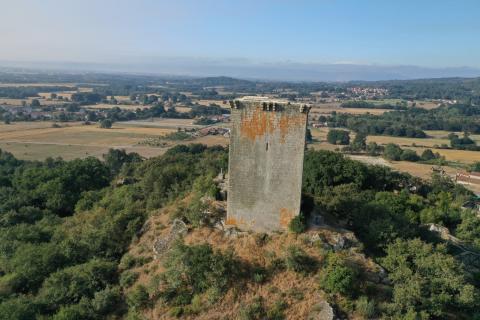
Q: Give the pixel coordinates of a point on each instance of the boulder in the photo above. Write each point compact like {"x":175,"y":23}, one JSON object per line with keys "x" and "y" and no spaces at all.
{"x":322,"y":311}
{"x":162,"y":245}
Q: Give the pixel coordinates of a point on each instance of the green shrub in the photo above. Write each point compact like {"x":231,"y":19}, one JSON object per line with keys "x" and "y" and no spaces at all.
{"x":255,"y":310}
{"x":107,"y":300}
{"x":138,"y":298}
{"x":365,"y":307}
{"x":127,"y":262}
{"x":276,"y":312}
{"x":195,"y":269}
{"x":69,"y":285}
{"x":299,"y":261}
{"x":81,"y":310}
{"x":298,"y":224}
{"x":127,"y":278}
{"x":176,"y":312}
{"x":338,"y":277}
{"x":259,"y":274}
{"x":21,"y":308}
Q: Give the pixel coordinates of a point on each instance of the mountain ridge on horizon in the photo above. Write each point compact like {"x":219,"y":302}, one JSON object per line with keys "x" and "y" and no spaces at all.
{"x":290,"y":71}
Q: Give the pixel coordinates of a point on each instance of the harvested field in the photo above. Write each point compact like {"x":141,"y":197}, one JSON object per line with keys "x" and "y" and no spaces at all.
{"x":121,"y":106}
{"x":183,"y":109}
{"x":217,"y":102}
{"x":18,"y":102}
{"x":419,"y":145}
{"x":327,"y":109}
{"x":39,"y":140}
{"x":408,"y":142}
{"x":420,"y":170}
{"x":162,"y":123}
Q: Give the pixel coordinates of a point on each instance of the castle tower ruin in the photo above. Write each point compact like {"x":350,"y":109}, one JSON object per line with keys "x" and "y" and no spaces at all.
{"x":267,"y":142}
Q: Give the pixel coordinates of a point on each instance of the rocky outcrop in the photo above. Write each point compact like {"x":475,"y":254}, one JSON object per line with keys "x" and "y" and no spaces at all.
{"x":162,"y":245}
{"x":322,"y":311}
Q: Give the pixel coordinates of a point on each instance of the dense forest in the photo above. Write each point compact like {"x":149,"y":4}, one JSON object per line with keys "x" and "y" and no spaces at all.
{"x":66,"y":225}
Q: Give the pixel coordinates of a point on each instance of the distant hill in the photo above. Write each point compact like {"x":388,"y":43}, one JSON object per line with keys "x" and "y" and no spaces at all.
{"x":278,"y":71}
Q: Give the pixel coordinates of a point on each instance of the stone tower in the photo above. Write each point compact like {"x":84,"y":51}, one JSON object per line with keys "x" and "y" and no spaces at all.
{"x":267,"y":142}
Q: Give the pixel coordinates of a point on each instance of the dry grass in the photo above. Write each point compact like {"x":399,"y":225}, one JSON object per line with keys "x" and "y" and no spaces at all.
{"x":206,"y":102}
{"x":426,"y":104}
{"x":327,"y":109}
{"x":183,"y":109}
{"x":18,"y":102}
{"x":402,"y":141}
{"x":121,"y":106}
{"x":122,"y":98}
{"x":38,"y":140}
{"x":419,"y":145}
{"x":420,"y":170}
{"x":283,"y":285}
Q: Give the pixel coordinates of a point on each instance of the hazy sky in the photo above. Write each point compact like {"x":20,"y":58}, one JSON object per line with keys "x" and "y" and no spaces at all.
{"x":435,"y":33}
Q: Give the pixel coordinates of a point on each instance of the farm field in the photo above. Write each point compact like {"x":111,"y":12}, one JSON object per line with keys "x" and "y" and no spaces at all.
{"x":417,"y":144}
{"x":423,"y":171}
{"x":39,"y":140}
{"x":121,"y":106}
{"x":327,"y":109}
{"x":18,"y":102}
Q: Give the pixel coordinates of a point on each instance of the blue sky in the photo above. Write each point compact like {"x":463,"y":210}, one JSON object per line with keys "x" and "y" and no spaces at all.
{"x":442,"y":33}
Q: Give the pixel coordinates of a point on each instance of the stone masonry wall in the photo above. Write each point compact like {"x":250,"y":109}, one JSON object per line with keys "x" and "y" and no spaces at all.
{"x":267,"y":142}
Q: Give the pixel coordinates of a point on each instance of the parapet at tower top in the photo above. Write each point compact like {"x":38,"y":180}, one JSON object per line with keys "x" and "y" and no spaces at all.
{"x":268,"y":103}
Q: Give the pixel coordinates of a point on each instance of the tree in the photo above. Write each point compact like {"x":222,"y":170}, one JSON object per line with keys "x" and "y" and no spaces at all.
{"x":138,"y":298}
{"x":338,"y":277}
{"x":427,"y":155}
{"x":69,"y":285}
{"x":373,"y":149}
{"x":35,"y":103}
{"x":469,"y":229}
{"x":443,"y":210}
{"x":475,"y":167}
{"x":426,"y":280}
{"x":106,"y":124}
{"x":392,"y":152}
{"x":116,"y":158}
{"x":409,"y":155}
{"x":359,"y":142}
{"x":341,"y":137}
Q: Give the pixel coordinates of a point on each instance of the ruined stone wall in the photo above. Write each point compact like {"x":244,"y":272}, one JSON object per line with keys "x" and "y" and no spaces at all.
{"x":267,"y":142}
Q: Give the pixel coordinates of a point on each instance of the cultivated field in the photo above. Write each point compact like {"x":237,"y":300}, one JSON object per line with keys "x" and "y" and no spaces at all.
{"x":100,"y":106}
{"x":416,"y":169}
{"x":39,"y":140}
{"x":18,"y":102}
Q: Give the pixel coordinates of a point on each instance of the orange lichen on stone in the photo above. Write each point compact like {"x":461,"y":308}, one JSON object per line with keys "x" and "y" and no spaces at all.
{"x":231,"y":221}
{"x":285,"y":217}
{"x":288,"y":121}
{"x":257,"y":125}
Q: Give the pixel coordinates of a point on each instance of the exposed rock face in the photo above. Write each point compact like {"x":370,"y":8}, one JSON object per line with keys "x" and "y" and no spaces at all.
{"x":322,"y":311}
{"x":162,"y":245}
